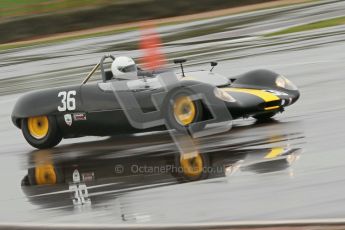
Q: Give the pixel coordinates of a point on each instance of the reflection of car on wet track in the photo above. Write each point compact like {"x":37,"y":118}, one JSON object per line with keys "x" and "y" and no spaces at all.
{"x":96,"y":109}
{"x":51,"y":174}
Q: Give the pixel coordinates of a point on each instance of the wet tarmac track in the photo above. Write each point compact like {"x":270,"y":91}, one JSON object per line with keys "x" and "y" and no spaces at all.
{"x":303,"y":178}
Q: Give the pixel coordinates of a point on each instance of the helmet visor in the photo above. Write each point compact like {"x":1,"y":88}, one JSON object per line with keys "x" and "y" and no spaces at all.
{"x":128,"y":69}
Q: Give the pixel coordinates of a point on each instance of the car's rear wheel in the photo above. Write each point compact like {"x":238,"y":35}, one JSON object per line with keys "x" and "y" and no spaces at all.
{"x":45,"y":174}
{"x":192,"y":167}
{"x":41,"y":131}
{"x":264,"y":116}
{"x":181,"y":110}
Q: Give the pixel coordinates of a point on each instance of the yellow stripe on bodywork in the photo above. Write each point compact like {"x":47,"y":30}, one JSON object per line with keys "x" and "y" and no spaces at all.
{"x":274,"y":153}
{"x":266,"y":96}
{"x":272,"y":107}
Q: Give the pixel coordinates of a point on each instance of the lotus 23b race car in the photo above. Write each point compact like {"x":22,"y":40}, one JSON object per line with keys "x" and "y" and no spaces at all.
{"x":127,"y":93}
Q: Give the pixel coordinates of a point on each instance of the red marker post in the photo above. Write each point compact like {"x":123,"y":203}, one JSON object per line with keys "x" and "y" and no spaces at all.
{"x":150,"y":44}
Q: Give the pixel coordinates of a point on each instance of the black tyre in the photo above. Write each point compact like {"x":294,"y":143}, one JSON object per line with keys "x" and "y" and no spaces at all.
{"x":41,"y":132}
{"x":180,"y":110}
{"x":265,"y":116}
{"x":191,"y":167}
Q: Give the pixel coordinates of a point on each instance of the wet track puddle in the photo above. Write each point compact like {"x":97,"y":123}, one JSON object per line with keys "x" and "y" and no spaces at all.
{"x":96,"y":173}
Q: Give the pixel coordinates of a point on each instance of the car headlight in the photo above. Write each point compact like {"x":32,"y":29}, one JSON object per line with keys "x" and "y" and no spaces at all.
{"x":284,"y":83}
{"x":223,"y":95}
{"x":280,"y":82}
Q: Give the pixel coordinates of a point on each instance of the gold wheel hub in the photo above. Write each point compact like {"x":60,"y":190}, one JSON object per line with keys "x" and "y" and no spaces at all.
{"x":38,"y":126}
{"x":184,"y":110}
{"x":45,"y":174}
{"x":192,"y":166}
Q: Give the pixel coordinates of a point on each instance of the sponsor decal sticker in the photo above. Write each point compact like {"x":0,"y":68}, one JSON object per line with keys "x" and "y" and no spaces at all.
{"x":88,"y":176}
{"x":68,"y":119}
{"x":79,"y":116}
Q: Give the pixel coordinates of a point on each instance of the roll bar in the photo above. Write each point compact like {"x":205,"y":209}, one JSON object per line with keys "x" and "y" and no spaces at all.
{"x":99,"y":64}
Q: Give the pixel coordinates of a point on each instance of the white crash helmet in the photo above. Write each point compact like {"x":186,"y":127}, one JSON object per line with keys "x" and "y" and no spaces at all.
{"x":124,"y":68}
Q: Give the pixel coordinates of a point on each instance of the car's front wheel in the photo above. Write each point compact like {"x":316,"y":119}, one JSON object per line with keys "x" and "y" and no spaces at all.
{"x":191,"y":167}
{"x":41,"y":131}
{"x":181,"y":110}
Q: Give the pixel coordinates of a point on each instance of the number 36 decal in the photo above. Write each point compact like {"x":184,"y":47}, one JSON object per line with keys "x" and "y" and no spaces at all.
{"x":67,"y":100}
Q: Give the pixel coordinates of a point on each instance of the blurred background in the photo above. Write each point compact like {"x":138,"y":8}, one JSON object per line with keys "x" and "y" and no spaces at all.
{"x":45,"y":44}
{"x":24,"y":19}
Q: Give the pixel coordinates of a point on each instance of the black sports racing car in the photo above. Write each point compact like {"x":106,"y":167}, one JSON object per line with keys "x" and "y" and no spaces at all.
{"x":151,"y":102}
